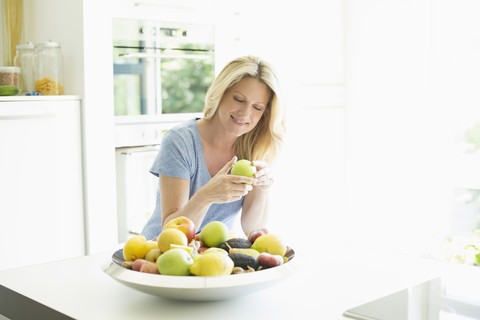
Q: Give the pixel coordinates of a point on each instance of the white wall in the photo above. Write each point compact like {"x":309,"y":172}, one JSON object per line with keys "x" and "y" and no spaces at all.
{"x":43,"y":23}
{"x":411,"y":71}
{"x":99,"y":150}
{"x":391,"y":126}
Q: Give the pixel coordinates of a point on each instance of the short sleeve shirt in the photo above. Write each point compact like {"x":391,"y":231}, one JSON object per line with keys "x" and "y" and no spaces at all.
{"x":181,"y":156}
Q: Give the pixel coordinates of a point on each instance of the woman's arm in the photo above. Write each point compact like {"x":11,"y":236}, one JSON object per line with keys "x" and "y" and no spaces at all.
{"x":255,"y":209}
{"x":175,"y":202}
{"x":222,"y":188}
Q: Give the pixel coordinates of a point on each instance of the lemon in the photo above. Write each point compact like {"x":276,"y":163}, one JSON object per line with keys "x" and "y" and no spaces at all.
{"x":270,"y":243}
{"x":135,"y":248}
{"x":212,"y":264}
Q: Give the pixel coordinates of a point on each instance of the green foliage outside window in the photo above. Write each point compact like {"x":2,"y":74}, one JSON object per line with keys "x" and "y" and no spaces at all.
{"x":184,"y":84}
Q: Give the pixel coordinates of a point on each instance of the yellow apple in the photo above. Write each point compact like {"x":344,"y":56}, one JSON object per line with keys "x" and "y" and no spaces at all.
{"x":171,"y":236}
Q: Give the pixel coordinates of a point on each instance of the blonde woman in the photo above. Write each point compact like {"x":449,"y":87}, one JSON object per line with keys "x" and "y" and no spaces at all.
{"x":243,"y":119}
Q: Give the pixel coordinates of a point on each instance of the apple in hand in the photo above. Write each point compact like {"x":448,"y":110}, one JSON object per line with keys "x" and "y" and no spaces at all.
{"x":253,"y":235}
{"x":183,"y":224}
{"x":244,"y":168}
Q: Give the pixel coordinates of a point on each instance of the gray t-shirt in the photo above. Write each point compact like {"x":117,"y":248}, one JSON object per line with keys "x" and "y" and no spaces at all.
{"x":181,"y":156}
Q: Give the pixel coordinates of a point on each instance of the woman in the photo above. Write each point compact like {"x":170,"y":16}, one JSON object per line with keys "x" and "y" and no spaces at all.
{"x":243,"y":119}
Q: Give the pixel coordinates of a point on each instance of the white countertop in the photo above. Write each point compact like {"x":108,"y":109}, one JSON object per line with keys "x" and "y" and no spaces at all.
{"x":328,"y":281}
{"x":39,"y":98}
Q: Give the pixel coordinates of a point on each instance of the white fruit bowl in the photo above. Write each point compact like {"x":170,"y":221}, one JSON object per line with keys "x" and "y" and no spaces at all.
{"x":198,"y":288}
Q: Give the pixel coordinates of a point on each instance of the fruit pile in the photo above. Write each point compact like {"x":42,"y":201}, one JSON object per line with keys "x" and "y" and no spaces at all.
{"x":177,"y":251}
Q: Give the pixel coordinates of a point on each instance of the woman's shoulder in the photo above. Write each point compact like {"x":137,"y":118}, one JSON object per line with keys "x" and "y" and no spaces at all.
{"x":177,"y":151}
{"x":186,"y":127}
{"x":184,"y":130}
{"x":185,"y":133}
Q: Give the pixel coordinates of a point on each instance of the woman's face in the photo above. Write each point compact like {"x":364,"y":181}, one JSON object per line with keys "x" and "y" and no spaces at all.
{"x":243,"y":105}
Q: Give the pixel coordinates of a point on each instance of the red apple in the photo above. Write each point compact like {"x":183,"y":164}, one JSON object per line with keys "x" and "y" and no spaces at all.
{"x":253,"y":235}
{"x":183,"y":224}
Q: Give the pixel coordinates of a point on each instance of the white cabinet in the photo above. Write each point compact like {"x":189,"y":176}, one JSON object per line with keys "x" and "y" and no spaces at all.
{"x":41,"y":206}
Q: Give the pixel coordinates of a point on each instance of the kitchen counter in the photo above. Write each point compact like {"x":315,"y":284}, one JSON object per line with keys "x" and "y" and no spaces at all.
{"x":328,"y":281}
{"x":39,"y":98}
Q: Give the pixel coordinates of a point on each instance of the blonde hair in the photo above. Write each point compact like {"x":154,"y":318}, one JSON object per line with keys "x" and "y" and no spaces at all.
{"x":264,"y":141}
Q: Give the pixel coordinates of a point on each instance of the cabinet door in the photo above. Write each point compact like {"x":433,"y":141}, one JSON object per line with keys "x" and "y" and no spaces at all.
{"x":136,"y":189}
{"x":41,"y":207}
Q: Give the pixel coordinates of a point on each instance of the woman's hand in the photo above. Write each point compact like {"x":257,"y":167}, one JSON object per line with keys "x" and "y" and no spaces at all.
{"x":255,"y":209}
{"x":224,"y":187}
{"x":263,"y":176}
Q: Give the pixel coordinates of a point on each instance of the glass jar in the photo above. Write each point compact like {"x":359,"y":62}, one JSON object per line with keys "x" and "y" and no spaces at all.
{"x":9,"y":76}
{"x":24,"y":59}
{"x":49,"y":60}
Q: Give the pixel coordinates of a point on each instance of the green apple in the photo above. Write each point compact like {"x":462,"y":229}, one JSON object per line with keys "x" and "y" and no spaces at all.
{"x":214,"y":234}
{"x":244,"y":168}
{"x":175,"y":262}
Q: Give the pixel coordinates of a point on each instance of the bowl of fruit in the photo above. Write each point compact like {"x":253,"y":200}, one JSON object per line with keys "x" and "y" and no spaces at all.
{"x":210,"y":265}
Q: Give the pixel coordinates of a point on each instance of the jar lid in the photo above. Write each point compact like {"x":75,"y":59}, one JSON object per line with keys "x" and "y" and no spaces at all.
{"x":10,"y":69}
{"x":49,"y":44}
{"x":27,"y":45}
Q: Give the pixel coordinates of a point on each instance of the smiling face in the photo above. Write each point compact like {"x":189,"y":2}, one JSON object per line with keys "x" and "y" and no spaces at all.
{"x":243,"y":105}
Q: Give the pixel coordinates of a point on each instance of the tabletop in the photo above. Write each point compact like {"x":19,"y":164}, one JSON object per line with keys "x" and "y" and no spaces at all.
{"x":326,"y":283}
